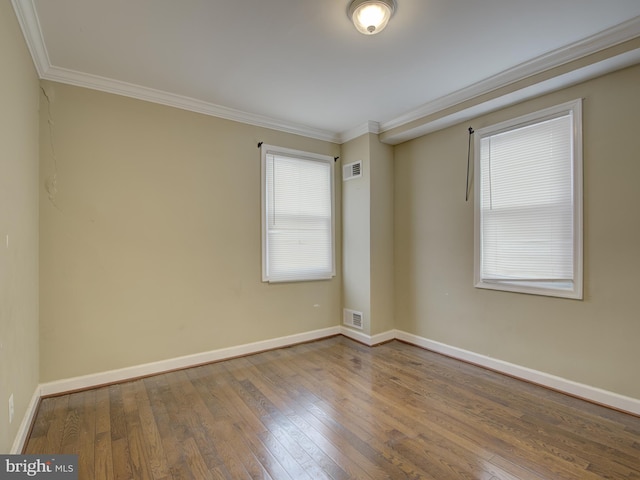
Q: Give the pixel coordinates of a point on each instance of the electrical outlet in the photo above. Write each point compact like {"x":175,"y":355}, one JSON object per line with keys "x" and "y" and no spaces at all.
{"x":11,"y":408}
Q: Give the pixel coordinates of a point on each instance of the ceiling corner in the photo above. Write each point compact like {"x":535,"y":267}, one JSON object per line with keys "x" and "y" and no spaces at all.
{"x":367,"y":127}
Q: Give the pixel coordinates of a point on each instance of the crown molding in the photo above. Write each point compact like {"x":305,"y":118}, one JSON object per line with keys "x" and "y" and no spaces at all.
{"x":555,"y":83}
{"x":575,"y":51}
{"x":118,"y":87}
{"x":30,"y":25}
{"x":368,"y":127}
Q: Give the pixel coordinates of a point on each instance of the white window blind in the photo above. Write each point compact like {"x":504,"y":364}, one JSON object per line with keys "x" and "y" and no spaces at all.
{"x":298,"y":211}
{"x":528,"y":204}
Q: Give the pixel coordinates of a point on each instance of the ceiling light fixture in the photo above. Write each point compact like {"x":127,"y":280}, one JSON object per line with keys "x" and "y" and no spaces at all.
{"x":371,"y":16}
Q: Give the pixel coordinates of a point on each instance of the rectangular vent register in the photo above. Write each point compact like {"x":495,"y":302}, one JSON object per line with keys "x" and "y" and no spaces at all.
{"x":352,"y":318}
{"x":352,"y":171}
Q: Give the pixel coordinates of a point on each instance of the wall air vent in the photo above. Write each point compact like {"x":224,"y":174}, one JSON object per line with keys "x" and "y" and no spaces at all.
{"x":352,"y":318}
{"x":351,"y":171}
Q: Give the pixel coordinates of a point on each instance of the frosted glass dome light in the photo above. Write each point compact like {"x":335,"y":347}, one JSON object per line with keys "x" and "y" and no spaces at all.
{"x":371,"y":16}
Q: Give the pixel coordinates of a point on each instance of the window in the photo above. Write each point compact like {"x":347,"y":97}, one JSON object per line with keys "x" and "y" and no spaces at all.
{"x":528,"y":203}
{"x":297,"y":215}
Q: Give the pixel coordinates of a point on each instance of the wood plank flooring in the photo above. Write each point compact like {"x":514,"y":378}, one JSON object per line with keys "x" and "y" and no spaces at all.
{"x":335,"y":409}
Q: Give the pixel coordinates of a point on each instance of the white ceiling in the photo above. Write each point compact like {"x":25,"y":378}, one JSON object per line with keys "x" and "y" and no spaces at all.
{"x":300,"y":65}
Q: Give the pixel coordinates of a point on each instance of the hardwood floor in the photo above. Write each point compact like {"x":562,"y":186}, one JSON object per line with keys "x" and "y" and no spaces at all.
{"x":336,"y":409}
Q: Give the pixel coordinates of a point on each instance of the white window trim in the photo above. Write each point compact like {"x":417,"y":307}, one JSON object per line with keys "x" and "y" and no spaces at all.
{"x":576,"y":292}
{"x":264,"y":150}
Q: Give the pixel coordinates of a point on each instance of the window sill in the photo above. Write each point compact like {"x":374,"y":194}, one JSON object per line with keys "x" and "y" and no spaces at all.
{"x":566,"y":289}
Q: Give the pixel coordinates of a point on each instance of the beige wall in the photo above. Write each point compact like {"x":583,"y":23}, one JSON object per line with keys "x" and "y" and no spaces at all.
{"x":151,"y":246}
{"x":19,"y":221}
{"x":150,"y":239}
{"x":594,"y":341}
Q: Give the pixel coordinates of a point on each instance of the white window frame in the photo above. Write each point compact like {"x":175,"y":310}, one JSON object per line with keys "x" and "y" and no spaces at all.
{"x":294,"y":275}
{"x":574,"y":288}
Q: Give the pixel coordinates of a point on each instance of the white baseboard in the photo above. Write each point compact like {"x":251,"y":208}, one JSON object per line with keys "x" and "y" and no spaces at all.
{"x":25,"y":425}
{"x":593,"y":394}
{"x":580,"y":390}
{"x":369,"y":340}
{"x":119,"y":375}
{"x":127,"y":373}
